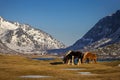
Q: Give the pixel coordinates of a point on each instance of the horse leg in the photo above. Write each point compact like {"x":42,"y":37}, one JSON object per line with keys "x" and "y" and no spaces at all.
{"x":72,"y":60}
{"x":92,"y":60}
{"x":79,"y":61}
{"x":68,"y":61}
{"x":95,"y":61}
{"x":88,"y":60}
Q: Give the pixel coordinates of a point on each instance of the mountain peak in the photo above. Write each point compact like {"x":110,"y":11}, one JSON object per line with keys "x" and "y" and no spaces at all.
{"x":118,"y":12}
{"x":1,"y":19}
{"x":17,"y":23}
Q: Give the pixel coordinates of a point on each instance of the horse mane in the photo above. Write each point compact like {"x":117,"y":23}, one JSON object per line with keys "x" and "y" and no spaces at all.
{"x":68,"y":52}
{"x":85,"y":54}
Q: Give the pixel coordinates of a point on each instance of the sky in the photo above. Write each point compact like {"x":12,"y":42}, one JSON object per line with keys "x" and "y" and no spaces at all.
{"x":66,"y":20}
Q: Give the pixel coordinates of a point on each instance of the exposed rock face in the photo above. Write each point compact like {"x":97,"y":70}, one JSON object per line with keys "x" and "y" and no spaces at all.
{"x":111,"y":51}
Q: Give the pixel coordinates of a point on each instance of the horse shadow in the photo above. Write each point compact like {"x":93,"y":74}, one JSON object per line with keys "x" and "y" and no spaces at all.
{"x":56,"y":63}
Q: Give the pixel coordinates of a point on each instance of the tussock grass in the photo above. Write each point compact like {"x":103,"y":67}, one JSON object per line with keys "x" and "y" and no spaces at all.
{"x":13,"y":66}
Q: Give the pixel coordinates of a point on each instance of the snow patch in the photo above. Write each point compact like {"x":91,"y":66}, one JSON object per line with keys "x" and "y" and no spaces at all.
{"x":74,"y":69}
{"x":85,"y":73}
{"x":35,"y":76}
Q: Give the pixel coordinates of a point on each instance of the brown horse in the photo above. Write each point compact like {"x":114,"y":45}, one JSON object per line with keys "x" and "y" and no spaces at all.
{"x":90,"y":57}
{"x":71,"y":55}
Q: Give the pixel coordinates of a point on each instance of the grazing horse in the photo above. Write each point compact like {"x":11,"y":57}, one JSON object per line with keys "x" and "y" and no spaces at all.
{"x":71,"y":55}
{"x":90,"y":57}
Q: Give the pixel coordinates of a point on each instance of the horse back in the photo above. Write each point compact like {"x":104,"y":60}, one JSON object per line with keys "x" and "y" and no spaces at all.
{"x":90,"y":55}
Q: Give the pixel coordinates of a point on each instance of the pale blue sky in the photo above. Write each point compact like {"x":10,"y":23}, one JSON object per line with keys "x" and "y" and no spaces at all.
{"x":65,"y":20}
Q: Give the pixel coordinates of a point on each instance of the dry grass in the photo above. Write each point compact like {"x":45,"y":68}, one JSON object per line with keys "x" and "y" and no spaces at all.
{"x":12,"y":67}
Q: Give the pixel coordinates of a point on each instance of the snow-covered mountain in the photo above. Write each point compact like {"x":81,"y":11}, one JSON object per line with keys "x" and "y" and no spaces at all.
{"x":23,"y":38}
{"x":106,"y":31}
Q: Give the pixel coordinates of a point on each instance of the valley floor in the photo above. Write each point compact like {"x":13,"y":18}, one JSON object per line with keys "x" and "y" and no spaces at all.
{"x":12,"y":67}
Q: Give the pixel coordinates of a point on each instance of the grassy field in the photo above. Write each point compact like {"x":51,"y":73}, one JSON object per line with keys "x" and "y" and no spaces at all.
{"x":12,"y":67}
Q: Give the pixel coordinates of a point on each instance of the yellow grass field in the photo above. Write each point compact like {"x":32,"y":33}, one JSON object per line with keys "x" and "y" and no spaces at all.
{"x":13,"y":66}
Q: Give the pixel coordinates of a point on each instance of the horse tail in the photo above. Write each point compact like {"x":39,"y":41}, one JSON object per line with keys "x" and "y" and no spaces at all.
{"x":95,"y":58}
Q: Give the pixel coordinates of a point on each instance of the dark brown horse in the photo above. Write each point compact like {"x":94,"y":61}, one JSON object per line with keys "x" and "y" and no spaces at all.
{"x":70,"y":56}
{"x":90,"y":57}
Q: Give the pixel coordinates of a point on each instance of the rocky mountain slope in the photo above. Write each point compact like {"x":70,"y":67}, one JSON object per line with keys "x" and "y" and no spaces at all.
{"x":106,"y":31}
{"x":5,"y":49}
{"x":23,"y":38}
{"x":111,"y":51}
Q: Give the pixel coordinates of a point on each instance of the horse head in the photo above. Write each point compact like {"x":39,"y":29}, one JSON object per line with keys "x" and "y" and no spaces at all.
{"x":66,"y":56}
